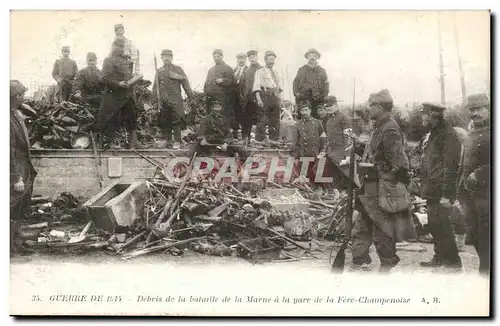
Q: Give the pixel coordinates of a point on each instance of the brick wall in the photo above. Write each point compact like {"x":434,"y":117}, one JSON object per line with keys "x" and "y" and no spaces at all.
{"x":75,"y":170}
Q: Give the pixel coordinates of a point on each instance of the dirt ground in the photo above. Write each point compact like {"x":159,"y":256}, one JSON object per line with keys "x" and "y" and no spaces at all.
{"x":411,"y":254}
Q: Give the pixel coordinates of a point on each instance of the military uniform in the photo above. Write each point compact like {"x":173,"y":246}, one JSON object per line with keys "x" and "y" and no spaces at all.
{"x":309,"y":141}
{"x":311,"y":83}
{"x":215,"y":130}
{"x":224,"y":92}
{"x":336,"y":143}
{"x":385,"y":150}
{"x":118,"y":106}
{"x":440,"y":161}
{"x":476,"y":160}
{"x":64,"y":72}
{"x":88,"y":82}
{"x":171,"y":78}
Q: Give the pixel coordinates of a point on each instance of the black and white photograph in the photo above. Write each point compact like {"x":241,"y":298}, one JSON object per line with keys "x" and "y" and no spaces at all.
{"x":250,"y":163}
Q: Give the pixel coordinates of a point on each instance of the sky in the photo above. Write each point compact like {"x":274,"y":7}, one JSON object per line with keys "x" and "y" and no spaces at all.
{"x":397,"y":50}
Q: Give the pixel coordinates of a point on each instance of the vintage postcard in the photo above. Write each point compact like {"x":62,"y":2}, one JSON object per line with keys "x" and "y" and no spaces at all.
{"x":250,"y":163}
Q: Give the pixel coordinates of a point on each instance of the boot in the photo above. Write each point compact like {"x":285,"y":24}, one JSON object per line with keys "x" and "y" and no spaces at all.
{"x":133,"y":141}
{"x":434,"y":262}
{"x":460,"y":240}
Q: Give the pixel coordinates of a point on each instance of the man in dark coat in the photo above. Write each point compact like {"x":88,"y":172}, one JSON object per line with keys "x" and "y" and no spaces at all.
{"x":267,"y":90}
{"x":440,"y":161}
{"x":309,"y":139}
{"x":247,"y":98}
{"x":214,"y":131}
{"x":172,"y":115}
{"x":311,"y":82}
{"x":118,"y":107}
{"x":88,"y":82}
{"x":336,"y":126}
{"x":475,"y":178}
{"x":220,"y":85}
{"x":22,"y":173}
{"x":385,"y":150}
{"x":239,"y":72}
{"x":64,"y":72}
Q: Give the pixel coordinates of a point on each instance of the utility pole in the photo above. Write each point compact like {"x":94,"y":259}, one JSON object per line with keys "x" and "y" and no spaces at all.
{"x":441,"y":68}
{"x":460,"y":66}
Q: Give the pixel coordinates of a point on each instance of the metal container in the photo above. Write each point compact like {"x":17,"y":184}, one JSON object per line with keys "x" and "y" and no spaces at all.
{"x":258,"y":249}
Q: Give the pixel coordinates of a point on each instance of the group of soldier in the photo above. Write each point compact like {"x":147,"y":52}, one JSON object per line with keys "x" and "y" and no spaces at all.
{"x":246,"y":96}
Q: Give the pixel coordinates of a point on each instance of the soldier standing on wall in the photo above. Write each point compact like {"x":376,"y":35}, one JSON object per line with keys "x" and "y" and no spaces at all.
{"x":311,"y":82}
{"x":267,"y":91}
{"x":118,"y":106}
{"x":88,"y":82}
{"x":247,"y":98}
{"x":171,"y":78}
{"x":64,"y":72}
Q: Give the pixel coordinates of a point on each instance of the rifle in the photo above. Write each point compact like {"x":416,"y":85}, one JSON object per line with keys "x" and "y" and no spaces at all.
{"x":339,"y":261}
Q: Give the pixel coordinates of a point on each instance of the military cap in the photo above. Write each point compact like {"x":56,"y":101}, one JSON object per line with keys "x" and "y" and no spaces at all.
{"x":118,"y":26}
{"x":167,"y":52}
{"x":252,"y":52}
{"x":477,"y":101}
{"x":269,"y":53}
{"x":432,"y":107}
{"x":219,"y":51}
{"x":91,"y":56}
{"x":16,"y":87}
{"x":312,"y":50}
{"x":241,"y":55}
{"x":303,"y":104}
{"x":382,"y":97}
{"x":65,"y":48}
{"x":330,"y":100}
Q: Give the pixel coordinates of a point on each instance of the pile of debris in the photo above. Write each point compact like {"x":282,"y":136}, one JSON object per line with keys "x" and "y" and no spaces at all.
{"x":69,"y":125}
{"x":256,"y":224}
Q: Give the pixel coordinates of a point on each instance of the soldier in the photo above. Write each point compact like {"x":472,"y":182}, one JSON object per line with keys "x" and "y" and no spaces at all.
{"x":117,"y":107}
{"x":220,"y":85}
{"x":130,"y":51}
{"x":311,"y":82}
{"x":214,"y":131}
{"x":88,"y":82}
{"x":474,"y":181}
{"x":239,"y":71}
{"x":309,"y":138}
{"x":22,"y":173}
{"x":322,"y":115}
{"x":64,"y":72}
{"x":267,"y":91}
{"x":440,"y":160}
{"x":385,"y":150}
{"x":171,"y":78}
{"x":336,"y":126}
{"x":248,"y":101}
